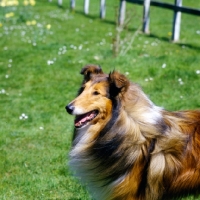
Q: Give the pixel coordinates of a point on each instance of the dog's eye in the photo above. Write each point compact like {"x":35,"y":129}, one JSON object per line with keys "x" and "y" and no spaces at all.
{"x":95,"y":93}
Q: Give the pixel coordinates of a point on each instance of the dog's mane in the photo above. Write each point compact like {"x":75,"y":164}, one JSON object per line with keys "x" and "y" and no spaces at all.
{"x":136,"y":135}
{"x":138,"y":132}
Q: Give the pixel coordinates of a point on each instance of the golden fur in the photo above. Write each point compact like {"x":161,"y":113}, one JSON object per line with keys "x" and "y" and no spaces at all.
{"x":125,"y":147}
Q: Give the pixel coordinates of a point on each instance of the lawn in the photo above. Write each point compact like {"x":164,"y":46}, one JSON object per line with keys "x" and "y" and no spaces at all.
{"x":42,"y":49}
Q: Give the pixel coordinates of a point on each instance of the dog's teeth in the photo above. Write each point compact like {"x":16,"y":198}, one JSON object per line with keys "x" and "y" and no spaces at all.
{"x":88,"y":118}
{"x":85,"y":118}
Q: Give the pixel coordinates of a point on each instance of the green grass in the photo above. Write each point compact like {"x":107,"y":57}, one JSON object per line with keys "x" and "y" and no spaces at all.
{"x":33,"y":151}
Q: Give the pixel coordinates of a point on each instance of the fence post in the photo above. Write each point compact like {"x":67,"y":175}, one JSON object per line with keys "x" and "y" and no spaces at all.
{"x":122,"y":11}
{"x":176,"y":22}
{"x":60,"y":2}
{"x":72,"y":4}
{"x":102,"y":8}
{"x":86,"y":6}
{"x":146,"y":16}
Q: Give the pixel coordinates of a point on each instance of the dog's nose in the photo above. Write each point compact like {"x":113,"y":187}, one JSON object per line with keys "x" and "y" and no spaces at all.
{"x":70,"y":108}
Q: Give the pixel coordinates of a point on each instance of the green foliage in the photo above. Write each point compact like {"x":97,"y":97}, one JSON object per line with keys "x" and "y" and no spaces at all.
{"x":43,"y":48}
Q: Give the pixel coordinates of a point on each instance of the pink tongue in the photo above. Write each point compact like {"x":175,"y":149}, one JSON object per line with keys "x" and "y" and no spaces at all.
{"x":83,"y":118}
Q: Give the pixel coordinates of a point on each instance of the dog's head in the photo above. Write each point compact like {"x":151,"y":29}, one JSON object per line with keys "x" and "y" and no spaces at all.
{"x":94,"y":102}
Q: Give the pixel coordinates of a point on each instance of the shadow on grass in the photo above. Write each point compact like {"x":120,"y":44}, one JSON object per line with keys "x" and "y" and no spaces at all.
{"x":165,"y":39}
{"x":95,"y":17}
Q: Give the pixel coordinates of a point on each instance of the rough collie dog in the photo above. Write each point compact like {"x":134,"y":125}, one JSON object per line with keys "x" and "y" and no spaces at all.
{"x":127,"y":148}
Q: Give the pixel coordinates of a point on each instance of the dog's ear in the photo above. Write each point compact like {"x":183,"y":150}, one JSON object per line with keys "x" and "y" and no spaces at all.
{"x":118,"y":83}
{"x":90,"y":70}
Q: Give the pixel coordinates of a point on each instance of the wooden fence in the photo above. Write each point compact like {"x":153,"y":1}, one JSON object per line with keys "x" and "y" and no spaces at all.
{"x":177,"y":8}
{"x":86,"y":7}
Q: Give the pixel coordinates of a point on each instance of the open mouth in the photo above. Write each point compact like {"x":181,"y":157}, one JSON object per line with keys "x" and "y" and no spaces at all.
{"x":82,"y":120}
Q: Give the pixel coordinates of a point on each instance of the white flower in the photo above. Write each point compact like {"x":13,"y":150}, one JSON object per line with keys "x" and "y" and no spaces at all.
{"x":23,"y":116}
{"x":2,"y":91}
{"x":164,"y":65}
{"x":101,"y":43}
{"x":154,"y":44}
{"x":148,"y":79}
{"x":96,"y":58}
{"x":180,"y":81}
{"x":198,"y":32}
{"x":80,"y":47}
{"x":50,"y":62}
{"x":127,"y":73}
{"x":198,"y":72}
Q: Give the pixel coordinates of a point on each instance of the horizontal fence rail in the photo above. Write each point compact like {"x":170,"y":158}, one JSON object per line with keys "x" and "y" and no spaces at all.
{"x":177,"y":8}
{"x":182,"y":9}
